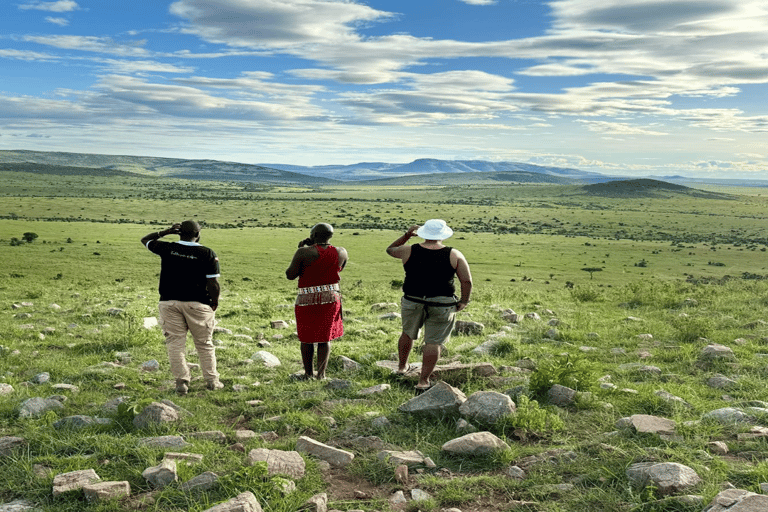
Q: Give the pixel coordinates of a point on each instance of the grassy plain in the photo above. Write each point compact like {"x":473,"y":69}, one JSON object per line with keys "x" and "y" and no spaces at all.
{"x":527,"y":246}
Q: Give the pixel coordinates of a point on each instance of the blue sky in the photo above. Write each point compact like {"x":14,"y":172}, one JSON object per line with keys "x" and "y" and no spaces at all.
{"x":626,"y":87}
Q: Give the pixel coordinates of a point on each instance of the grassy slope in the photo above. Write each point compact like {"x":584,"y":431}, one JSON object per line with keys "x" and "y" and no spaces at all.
{"x":104,"y":266}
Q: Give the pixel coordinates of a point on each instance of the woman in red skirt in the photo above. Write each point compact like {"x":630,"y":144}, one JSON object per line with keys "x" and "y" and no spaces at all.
{"x":317,"y":264}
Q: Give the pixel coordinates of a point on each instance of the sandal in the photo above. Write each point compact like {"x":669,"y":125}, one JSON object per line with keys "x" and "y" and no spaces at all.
{"x":421,"y":389}
{"x":407,"y":369}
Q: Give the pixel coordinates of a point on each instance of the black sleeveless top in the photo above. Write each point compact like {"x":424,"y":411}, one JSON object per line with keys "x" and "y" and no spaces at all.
{"x":428,"y":273}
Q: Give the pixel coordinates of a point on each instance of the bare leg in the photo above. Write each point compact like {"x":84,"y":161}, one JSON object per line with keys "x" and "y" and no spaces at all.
{"x":404,"y":346}
{"x":430,"y":355}
{"x":307,"y":353}
{"x":323,"y":354}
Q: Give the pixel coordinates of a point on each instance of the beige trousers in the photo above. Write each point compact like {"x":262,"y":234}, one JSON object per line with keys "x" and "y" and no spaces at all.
{"x":178,"y":317}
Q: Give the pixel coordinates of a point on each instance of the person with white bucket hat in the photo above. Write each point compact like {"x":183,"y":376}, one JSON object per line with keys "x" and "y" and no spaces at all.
{"x":429,"y":299}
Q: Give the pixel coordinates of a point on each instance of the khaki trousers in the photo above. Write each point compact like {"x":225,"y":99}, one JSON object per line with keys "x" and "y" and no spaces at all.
{"x":178,"y":317}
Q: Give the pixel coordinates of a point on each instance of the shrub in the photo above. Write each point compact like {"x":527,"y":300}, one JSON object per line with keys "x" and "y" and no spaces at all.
{"x":573,"y":372}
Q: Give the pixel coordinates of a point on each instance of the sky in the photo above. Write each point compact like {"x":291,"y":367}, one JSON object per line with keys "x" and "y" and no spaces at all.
{"x":621,"y":87}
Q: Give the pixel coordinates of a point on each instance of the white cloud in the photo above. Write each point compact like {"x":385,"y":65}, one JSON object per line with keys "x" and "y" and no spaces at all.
{"x":145,"y":66}
{"x":91,"y":44}
{"x":58,"y":6}
{"x":7,"y":53}
{"x":479,"y":2}
{"x":619,"y":129}
{"x":62,"y":22}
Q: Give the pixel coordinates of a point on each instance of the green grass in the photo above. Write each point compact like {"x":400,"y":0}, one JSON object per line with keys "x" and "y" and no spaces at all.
{"x":87,"y":259}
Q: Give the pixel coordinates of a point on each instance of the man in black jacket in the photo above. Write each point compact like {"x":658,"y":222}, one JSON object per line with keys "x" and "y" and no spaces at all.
{"x":189,"y":295}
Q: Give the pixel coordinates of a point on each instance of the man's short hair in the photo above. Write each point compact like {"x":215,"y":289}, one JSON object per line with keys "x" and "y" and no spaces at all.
{"x":322,"y":232}
{"x":189,"y":228}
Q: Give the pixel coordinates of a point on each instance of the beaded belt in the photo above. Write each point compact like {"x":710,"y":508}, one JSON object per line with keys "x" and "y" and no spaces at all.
{"x":322,"y":288}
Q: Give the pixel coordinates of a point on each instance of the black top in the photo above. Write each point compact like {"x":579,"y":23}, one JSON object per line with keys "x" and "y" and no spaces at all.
{"x":184,"y":269}
{"x":428,"y":272}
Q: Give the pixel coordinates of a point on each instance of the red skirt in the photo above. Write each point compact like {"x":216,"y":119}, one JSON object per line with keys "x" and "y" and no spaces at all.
{"x":319,"y":323}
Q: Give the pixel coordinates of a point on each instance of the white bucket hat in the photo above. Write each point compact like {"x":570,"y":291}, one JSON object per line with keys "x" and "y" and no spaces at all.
{"x":434,"y":229}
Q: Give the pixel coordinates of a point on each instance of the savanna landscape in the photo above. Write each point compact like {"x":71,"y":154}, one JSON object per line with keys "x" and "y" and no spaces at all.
{"x":615,"y":290}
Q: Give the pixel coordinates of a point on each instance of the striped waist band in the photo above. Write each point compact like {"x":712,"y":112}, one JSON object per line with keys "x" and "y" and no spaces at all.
{"x":322,"y":288}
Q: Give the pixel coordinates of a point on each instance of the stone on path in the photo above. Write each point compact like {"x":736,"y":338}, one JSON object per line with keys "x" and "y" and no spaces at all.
{"x":477,"y":443}
{"x":487,"y":406}
{"x":154,"y":414}
{"x":278,"y":461}
{"x":73,"y":480}
{"x":164,"y":442}
{"x":439,"y":400}
{"x":10,"y":443}
{"x":266,"y":358}
{"x":19,"y":506}
{"x":396,"y":458}
{"x":103,"y":491}
{"x":667,"y":477}
{"x":201,"y":483}
{"x":37,"y":406}
{"x":647,"y":424}
{"x":738,"y":500}
{"x":244,"y":502}
{"x":331,"y":455}
{"x":161,"y":475}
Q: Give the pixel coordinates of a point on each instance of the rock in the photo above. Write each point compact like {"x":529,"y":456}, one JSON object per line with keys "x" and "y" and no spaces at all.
{"x":65,"y":387}
{"x":164,"y":442}
{"x":161,"y":475}
{"x":727,"y":416}
{"x":333,"y":456}
{"x":41,"y":378}
{"x":374,"y":390}
{"x":464,"y":427}
{"x":468,"y":328}
{"x":37,"y":406}
{"x":115,"y":311}
{"x":396,"y":458}
{"x":401,"y":474}
{"x":645,"y":423}
{"x":381,"y":423}
{"x":149,"y":322}
{"x":278,"y":461}
{"x":398,"y":498}
{"x":317,"y":503}
{"x":8,"y":444}
{"x":477,"y":443}
{"x":348,"y":365}
{"x":440,"y":400}
{"x":561,"y":396}
{"x":150,"y":366}
{"x":719,"y":381}
{"x":279,"y":324}
{"x":154,"y":414}
{"x":266,"y":358}
{"x":73,"y":480}
{"x":738,"y":500}
{"x":510,"y":316}
{"x":79,"y":422}
{"x":104,"y":491}
{"x":715,"y":351}
{"x":19,"y":506}
{"x":667,"y":477}
{"x":202,"y":482}
{"x":487,"y":406}
{"x":515,"y":472}
{"x":5,"y":389}
{"x":718,"y":447}
{"x":244,"y":502}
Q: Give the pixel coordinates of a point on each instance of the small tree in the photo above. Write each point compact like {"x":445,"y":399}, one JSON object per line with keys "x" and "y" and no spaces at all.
{"x":29,"y":237}
{"x":592,"y":270}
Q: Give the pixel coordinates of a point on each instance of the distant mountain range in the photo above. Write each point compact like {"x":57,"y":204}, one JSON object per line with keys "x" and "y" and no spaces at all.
{"x":424,"y":171}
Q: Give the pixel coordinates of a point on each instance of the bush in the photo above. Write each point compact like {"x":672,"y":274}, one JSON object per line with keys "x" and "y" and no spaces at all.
{"x":573,"y":372}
